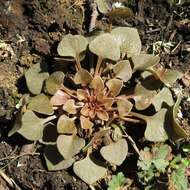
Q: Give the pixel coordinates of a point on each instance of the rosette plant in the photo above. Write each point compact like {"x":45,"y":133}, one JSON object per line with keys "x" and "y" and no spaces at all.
{"x":83,"y":108}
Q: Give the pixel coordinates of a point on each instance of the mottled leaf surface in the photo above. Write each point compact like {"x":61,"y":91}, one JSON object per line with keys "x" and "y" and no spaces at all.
{"x":128,"y":40}
{"x":105,"y":46}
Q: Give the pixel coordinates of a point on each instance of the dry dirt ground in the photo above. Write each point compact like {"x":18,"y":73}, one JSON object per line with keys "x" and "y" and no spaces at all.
{"x":30,"y":30}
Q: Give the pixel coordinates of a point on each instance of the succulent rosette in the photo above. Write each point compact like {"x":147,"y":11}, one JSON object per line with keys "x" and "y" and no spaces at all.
{"x":85,"y":106}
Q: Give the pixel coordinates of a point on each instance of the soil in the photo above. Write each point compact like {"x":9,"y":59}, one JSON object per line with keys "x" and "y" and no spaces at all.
{"x":30,"y":31}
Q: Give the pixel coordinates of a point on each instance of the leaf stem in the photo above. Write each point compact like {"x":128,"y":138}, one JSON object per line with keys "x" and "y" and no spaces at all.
{"x":78,"y":62}
{"x":130,"y":120}
{"x":68,"y":91}
{"x":98,"y":65}
{"x":141,"y":116}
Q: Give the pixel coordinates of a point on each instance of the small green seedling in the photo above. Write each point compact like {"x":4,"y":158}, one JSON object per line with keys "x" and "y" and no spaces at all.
{"x":118,"y":181}
{"x":156,"y":164}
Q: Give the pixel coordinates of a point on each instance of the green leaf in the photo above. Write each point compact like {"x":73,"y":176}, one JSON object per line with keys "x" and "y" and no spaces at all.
{"x":54,"y":82}
{"x":66,"y":125}
{"x":105,"y":46}
{"x":124,"y":106}
{"x":115,"y":86}
{"x":143,"y":97}
{"x":167,"y":76}
{"x":178,"y":178}
{"x":175,"y":132}
{"x":115,"y":152}
{"x":70,"y":106}
{"x":72,"y":45}
{"x":117,"y":181}
{"x":145,"y":159}
{"x":41,"y":104}
{"x":103,"y":6}
{"x":128,"y":40}
{"x":155,"y":129}
{"x":54,"y":160}
{"x":143,"y":61}
{"x":97,"y":83}
{"x":89,"y":170}
{"x":164,"y":96}
{"x":35,"y":77}
{"x":32,"y":127}
{"x":123,"y":70}
{"x":82,"y":77}
{"x":69,"y":146}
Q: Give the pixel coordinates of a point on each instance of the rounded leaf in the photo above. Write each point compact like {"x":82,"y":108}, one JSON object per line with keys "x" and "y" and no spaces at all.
{"x":69,"y":146}
{"x":142,"y":61}
{"x":123,"y":70}
{"x":164,"y":96}
{"x":103,"y":115}
{"x":72,"y":45}
{"x":124,"y":107}
{"x":115,"y":86}
{"x":128,"y":40}
{"x":35,"y":77}
{"x":70,"y":107}
{"x":105,"y":46}
{"x":88,"y":170}
{"x":41,"y":104}
{"x":155,"y":129}
{"x":97,"y":83}
{"x":143,"y":97}
{"x":82,"y":77}
{"x":85,"y":123}
{"x":65,"y":125}
{"x":54,"y":82}
{"x":59,"y":98}
{"x":32,"y":126}
{"x":103,"y":6}
{"x":82,"y":94}
{"x":54,"y":160}
{"x":115,"y":152}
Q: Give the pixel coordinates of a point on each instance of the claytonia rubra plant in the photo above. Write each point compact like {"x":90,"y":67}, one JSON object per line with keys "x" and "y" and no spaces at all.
{"x":85,"y":106}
